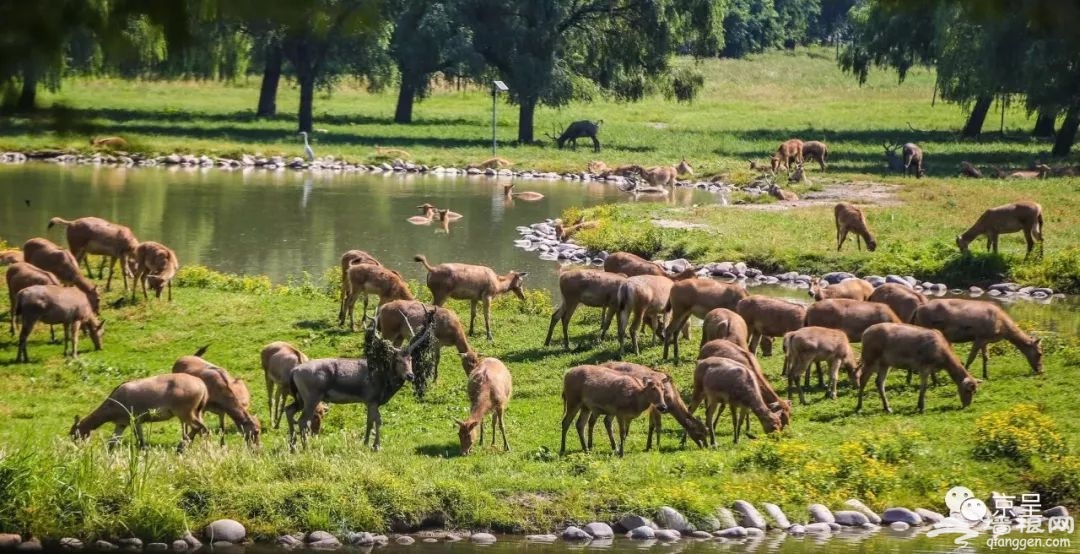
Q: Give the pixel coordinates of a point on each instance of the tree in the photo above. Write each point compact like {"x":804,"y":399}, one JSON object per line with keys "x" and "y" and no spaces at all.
{"x":549,"y":51}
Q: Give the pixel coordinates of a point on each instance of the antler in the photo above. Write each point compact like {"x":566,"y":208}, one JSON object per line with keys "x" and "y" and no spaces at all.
{"x":405,"y":318}
{"x":429,"y":328}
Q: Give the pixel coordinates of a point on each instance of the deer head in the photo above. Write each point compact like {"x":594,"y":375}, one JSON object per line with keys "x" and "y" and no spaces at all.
{"x":654,"y":392}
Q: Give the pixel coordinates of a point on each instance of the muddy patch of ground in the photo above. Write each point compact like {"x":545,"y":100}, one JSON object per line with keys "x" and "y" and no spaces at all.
{"x":676,"y":224}
{"x":856,"y":192}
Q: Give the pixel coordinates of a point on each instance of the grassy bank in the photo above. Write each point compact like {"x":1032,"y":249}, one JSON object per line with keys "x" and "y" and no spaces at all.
{"x":745,"y":109}
{"x":51,"y":487}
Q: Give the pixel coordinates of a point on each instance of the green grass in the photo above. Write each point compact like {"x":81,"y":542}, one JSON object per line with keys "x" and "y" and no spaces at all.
{"x":51,"y":487}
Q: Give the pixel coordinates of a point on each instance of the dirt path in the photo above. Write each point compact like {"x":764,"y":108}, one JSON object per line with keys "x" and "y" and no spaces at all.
{"x":856,"y":192}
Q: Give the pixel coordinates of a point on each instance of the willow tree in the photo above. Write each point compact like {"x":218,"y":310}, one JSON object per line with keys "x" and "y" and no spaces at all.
{"x":548,"y":51}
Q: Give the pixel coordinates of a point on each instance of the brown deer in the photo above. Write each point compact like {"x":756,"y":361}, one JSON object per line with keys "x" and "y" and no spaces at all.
{"x":278,"y":360}
{"x":814,"y":345}
{"x":980,"y":323}
{"x":590,"y":389}
{"x":645,"y":297}
{"x":374,"y":279}
{"x":595,"y":289}
{"x":694,"y":428}
{"x":108,"y":142}
{"x":1010,"y":218}
{"x":888,"y":345}
{"x":349,"y":259}
{"x":565,"y":233}
{"x":816,"y":151}
{"x":475,"y":283}
{"x":397,"y":320}
{"x":850,"y":316}
{"x":93,"y":235}
{"x":491,"y":163}
{"x":724,"y":382}
{"x":902,"y":299}
{"x":427,"y":215}
{"x":851,"y":288}
{"x":228,"y":396}
{"x":489,"y":386}
{"x":660,"y":176}
{"x":52,"y":305}
{"x":596,"y":167}
{"x":851,"y":219}
{"x":8,"y":257}
{"x":157,"y":264}
{"x":684,"y":168}
{"x":528,"y":196}
{"x":790,"y":151}
{"x":913,"y":160}
{"x":697,"y":296}
{"x":969,"y":170}
{"x":152,"y":399}
{"x":725,"y":324}
{"x":768,"y":317}
{"x":21,"y":275}
{"x":50,"y":257}
{"x":720,"y":348}
{"x":631,"y":265}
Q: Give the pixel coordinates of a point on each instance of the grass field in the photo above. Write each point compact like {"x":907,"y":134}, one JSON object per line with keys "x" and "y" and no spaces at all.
{"x":51,"y":487}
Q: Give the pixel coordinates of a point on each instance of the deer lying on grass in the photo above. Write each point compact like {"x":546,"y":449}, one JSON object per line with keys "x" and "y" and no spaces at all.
{"x":350,"y":381}
{"x":54,"y":304}
{"x":646,"y":297}
{"x":631,"y":265}
{"x":851,"y":288}
{"x":969,"y":170}
{"x":590,"y":390}
{"x":50,"y":257}
{"x":723,"y":382}
{"x":790,"y":151}
{"x":475,"y":283}
{"x":389,"y":152}
{"x":349,"y":259}
{"x":625,"y":171}
{"x":726,"y":349}
{"x":93,"y":235}
{"x":580,"y":129}
{"x":814,"y":345}
{"x":596,"y":167}
{"x":1010,"y":218}
{"x":722,"y":323}
{"x":227,"y":396}
{"x":374,"y":279}
{"x":696,"y":296}
{"x":108,"y":142}
{"x":528,"y":196}
{"x":850,"y":316}
{"x":278,"y":360}
{"x":768,"y":317}
{"x":816,"y":151}
{"x":902,"y":345}
{"x":157,"y":264}
{"x":694,"y":428}
{"x":491,"y":163}
{"x":980,"y":323}
{"x":595,"y":289}
{"x":490,"y":387}
{"x":851,"y":219}
{"x":1039,"y":171}
{"x":152,"y":399}
{"x":902,"y":299}
{"x":8,"y":257}
{"x":397,"y":319}
{"x":428,"y":215}
{"x":21,"y":275}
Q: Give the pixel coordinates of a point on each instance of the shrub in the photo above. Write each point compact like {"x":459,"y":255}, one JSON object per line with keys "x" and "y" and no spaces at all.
{"x":1018,"y":434}
{"x":1057,"y":482}
{"x":686,"y":83}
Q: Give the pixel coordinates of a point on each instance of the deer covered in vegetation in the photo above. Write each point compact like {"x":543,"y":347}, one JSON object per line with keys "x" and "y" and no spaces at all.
{"x":595,"y":289}
{"x":157,"y":264}
{"x":852,"y":288}
{"x":152,"y":399}
{"x":1010,"y":218}
{"x":768,"y":317}
{"x":980,"y":323}
{"x":814,"y":345}
{"x":850,"y":316}
{"x":631,"y":265}
{"x":580,"y":129}
{"x":850,"y":219}
{"x":228,"y":396}
{"x":93,"y":235}
{"x":366,"y":279}
{"x":694,"y":428}
{"x":789,"y":152}
{"x":722,"y":323}
{"x":21,"y":275}
{"x":816,"y":151}
{"x":278,"y":360}
{"x":723,"y":382}
{"x":489,"y":386}
{"x":475,"y":283}
{"x":54,"y":304}
{"x":590,"y":389}
{"x":697,"y":296}
{"x":903,"y":300}
{"x":397,"y":319}
{"x":50,"y":257}
{"x":908,"y":346}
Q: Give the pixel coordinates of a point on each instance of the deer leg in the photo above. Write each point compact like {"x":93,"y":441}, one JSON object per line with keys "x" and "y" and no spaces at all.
{"x":985,"y":358}
{"x":487,"y":317}
{"x":555,"y":318}
{"x":27,"y":325}
{"x":834,"y":375}
{"x":472,"y":316}
{"x":568,"y":417}
{"x":373,"y":414}
{"x":139,"y":434}
{"x":593,"y":416}
{"x":622,"y":328}
{"x":864,"y":379}
{"x":624,"y":429}
{"x":802,"y":397}
{"x":169,"y":285}
{"x":67,"y":337}
{"x":606,"y":316}
{"x":75,"y":327}
{"x":580,"y":425}
{"x":638,"y":314}
{"x":755,"y":338}
{"x":595,"y":143}
{"x":502,"y":429}
{"x":710,"y":421}
{"x":112,"y":263}
{"x":82,"y":257}
{"x":735,"y":423}
{"x":365,"y":304}
{"x":607,"y":428}
{"x":881,"y":388}
{"x":118,"y":432}
{"x":568,"y":313}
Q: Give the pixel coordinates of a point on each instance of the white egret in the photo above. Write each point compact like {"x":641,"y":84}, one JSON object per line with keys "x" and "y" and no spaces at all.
{"x":307,"y":148}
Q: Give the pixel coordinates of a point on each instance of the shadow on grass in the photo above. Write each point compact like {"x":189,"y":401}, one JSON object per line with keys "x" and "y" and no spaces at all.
{"x":444,"y":450}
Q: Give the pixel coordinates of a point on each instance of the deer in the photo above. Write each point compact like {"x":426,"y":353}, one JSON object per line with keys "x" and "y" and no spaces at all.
{"x":590,"y":389}
{"x":913,"y":160}
{"x":8,"y":257}
{"x":631,"y":265}
{"x":490,"y":386}
{"x":904,"y":345}
{"x":596,"y":167}
{"x":892,"y":157}
{"x":565,"y":233}
{"x":595,"y":289}
{"x":55,"y":304}
{"x":491,"y":163}
{"x":719,"y":348}
{"x":227,"y":395}
{"x":814,"y":345}
{"x":157,"y":264}
{"x":375,"y":279}
{"x":21,"y":275}
{"x":350,"y":381}
{"x":816,"y":151}
{"x":278,"y":360}
{"x":646,"y":298}
{"x":1038,"y":171}
{"x":790,"y":151}
{"x":850,"y":316}
{"x":349,"y":259}
{"x":108,"y":142}
{"x":93,"y":235}
{"x":697,"y":296}
{"x":151,"y":399}
{"x":1010,"y":218}
{"x":660,"y":176}
{"x":692,"y":426}
{"x":684,"y":168}
{"x":580,"y":129}
{"x":390,"y":152}
{"x":851,"y":219}
{"x":768,"y":317}
{"x":475,"y":283}
{"x":50,"y":257}
{"x":851,"y":288}
{"x":427,"y":215}
{"x":902,"y":299}
{"x":528,"y":196}
{"x":722,"y":323}
{"x":980,"y":323}
{"x":723,"y":382}
{"x":967,"y":169}
{"x":397,"y":319}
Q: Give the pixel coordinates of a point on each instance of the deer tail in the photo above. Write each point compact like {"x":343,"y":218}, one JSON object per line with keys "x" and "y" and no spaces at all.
{"x":58,"y":221}
{"x":423,"y":260}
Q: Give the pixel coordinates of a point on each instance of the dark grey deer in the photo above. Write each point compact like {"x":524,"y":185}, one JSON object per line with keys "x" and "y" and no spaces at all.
{"x":580,"y":129}
{"x":892,"y":156}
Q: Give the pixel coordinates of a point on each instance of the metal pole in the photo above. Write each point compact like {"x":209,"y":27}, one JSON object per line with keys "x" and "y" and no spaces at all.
{"x":493,"y":93}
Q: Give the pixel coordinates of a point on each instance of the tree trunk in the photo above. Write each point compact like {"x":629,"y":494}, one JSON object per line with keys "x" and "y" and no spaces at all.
{"x":1066,"y":135}
{"x":526,"y":111}
{"x":28,"y":95}
{"x":406,"y":98}
{"x":978,"y":115}
{"x":307,"y":99}
{"x":1044,"y":124}
{"x":271,"y":78}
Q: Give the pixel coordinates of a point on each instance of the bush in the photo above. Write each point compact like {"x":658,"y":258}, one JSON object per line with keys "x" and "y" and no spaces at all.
{"x":1020,"y":434}
{"x":686,"y":83}
{"x":1057,"y":482}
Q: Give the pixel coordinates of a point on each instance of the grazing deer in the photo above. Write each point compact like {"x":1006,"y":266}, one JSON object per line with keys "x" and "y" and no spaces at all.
{"x":596,"y":167}
{"x":50,"y":257}
{"x":852,"y":288}
{"x":156,"y":263}
{"x":790,"y":151}
{"x":646,"y":297}
{"x":768,"y":317}
{"x":278,"y":360}
{"x":590,"y":390}
{"x":580,"y":129}
{"x":349,"y":259}
{"x":475,"y":283}
{"x":228,"y":395}
{"x":491,"y":163}
{"x":902,"y":299}
{"x":980,"y":323}
{"x":152,"y":399}
{"x":596,"y":289}
{"x":720,"y":348}
{"x":851,"y":219}
{"x":21,"y":275}
{"x":724,"y":382}
{"x":54,"y":304}
{"x":694,"y":428}
{"x":725,"y":324}
{"x":913,"y":160}
{"x":490,"y":386}
{"x":1010,"y":218}
{"x":564,"y":233}
{"x":816,"y":151}
{"x":93,"y":235}
{"x":696,"y":296}
{"x":850,"y":316}
{"x":367,"y":279}
{"x":631,"y":265}
{"x":814,"y":345}
{"x":887,"y":345}
{"x":397,"y":319}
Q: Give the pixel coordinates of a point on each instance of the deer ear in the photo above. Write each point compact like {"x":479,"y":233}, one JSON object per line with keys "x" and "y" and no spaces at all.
{"x":645,"y":381}
{"x":76,"y":420}
{"x":776,"y":407}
